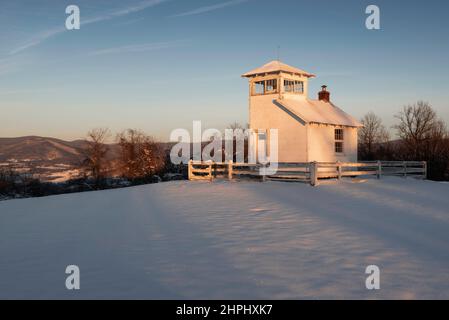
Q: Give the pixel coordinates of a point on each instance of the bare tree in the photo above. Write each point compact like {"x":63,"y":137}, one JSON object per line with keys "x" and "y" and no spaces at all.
{"x":236,"y":125}
{"x":238,"y":129}
{"x":95,"y":153}
{"x":140,"y":155}
{"x":417,"y":124}
{"x":424,"y":137}
{"x":8,"y":177}
{"x":371,"y":135}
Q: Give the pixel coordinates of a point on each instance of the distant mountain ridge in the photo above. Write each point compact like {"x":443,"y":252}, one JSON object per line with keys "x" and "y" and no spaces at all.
{"x":51,"y":150}
{"x":45,"y":149}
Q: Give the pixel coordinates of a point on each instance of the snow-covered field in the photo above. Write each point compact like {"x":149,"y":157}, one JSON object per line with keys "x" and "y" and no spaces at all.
{"x":236,"y":240}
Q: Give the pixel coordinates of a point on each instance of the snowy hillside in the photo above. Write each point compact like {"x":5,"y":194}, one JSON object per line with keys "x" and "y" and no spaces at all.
{"x":231,"y":240}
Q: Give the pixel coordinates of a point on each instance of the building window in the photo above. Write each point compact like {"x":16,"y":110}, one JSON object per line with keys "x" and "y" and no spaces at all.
{"x":259,"y":87}
{"x":265,"y":87}
{"x":339,"y":134}
{"x":271,"y":86}
{"x":338,"y":146}
{"x":294,"y":86}
{"x":339,"y":140}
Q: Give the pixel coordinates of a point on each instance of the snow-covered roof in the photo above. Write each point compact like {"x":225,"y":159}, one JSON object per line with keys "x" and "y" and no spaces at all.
{"x":277,"y":66}
{"x":315,"y":111}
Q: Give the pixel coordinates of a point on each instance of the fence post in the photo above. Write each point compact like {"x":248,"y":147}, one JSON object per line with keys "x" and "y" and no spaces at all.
{"x":379,"y":169}
{"x":338,"y":170}
{"x":313,"y":173}
{"x":264,"y":176}
{"x":424,"y":163}
{"x":210,"y":171}
{"x":230,"y":169}
{"x":189,"y":170}
{"x":404,"y":164}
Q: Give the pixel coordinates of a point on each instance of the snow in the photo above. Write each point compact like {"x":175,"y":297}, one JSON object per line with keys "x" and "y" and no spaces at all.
{"x":276,"y":66}
{"x":62,"y":176}
{"x":316,"y":111}
{"x":239,"y":239}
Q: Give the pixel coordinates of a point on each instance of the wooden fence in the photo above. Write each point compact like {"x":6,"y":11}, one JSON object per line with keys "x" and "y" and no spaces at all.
{"x":310,"y":172}
{"x":208,"y":170}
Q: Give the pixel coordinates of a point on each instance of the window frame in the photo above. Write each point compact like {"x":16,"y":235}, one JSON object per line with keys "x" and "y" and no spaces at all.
{"x":272,"y":82}
{"x":339,"y":140}
{"x":255,"y":87}
{"x":292,"y":86}
{"x":339,"y":134}
{"x":339,"y":147}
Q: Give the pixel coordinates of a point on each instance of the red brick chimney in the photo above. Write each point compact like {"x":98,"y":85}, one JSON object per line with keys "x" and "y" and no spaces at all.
{"x":324,"y":95}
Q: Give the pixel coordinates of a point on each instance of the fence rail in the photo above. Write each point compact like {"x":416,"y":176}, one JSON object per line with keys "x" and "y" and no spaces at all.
{"x":309,"y":172}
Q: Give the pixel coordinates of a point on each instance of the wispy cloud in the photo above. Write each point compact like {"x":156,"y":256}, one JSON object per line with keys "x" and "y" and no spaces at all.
{"x":37,"y":40}
{"x":131,"y":9}
{"x":140,"y":47}
{"x":210,"y":8}
{"x":41,"y":37}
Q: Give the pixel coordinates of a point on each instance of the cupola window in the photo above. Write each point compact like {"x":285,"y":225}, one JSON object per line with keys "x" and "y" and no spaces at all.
{"x":265,"y":87}
{"x":294,"y":86}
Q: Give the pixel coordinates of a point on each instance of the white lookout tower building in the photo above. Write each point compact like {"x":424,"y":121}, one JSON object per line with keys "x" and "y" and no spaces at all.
{"x":308,"y":130}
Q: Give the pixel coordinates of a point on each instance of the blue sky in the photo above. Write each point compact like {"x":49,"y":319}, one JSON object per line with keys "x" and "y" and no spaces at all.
{"x":157,"y":65}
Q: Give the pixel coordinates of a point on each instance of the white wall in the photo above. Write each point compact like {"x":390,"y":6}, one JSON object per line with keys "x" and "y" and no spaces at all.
{"x":321,"y":143}
{"x":292,"y":134}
